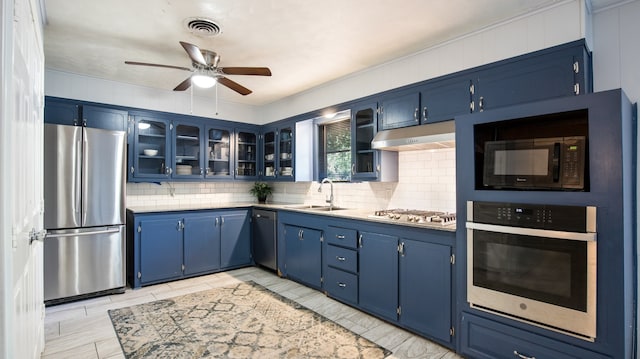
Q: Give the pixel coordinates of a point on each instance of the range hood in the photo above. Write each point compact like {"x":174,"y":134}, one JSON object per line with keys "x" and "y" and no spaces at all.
{"x":424,"y":137}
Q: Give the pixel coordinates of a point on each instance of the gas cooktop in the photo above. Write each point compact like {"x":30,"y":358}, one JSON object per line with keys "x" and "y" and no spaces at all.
{"x":416,"y":216}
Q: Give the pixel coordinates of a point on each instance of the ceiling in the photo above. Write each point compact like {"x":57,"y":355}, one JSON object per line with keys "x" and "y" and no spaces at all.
{"x":304,"y":43}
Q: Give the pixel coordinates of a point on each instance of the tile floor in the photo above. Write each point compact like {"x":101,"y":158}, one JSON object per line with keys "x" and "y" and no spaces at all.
{"x":83,"y":329}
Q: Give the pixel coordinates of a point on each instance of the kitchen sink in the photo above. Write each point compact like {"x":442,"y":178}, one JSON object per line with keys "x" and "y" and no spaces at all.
{"x":315,"y":207}
{"x":326,"y":208}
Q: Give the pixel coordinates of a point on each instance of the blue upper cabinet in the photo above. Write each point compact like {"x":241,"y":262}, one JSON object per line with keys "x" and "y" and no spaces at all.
{"x":73,"y":113}
{"x":61,"y":112}
{"x":246,"y":154}
{"x":364,"y":125}
{"x":539,"y":76}
{"x":560,"y":71}
{"x":150,"y":157}
{"x":278,"y":152}
{"x":219,"y":152}
{"x":104,"y":118}
{"x":400,"y":110}
{"x":445,"y":98}
{"x":188,"y":159}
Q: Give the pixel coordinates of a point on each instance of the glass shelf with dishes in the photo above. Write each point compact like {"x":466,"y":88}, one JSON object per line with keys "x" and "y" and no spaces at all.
{"x":364,"y":158}
{"x":187,"y":150}
{"x":218,"y":153}
{"x":247,"y":155}
{"x":269,"y":154}
{"x":150,"y":148}
{"x":285,"y":145}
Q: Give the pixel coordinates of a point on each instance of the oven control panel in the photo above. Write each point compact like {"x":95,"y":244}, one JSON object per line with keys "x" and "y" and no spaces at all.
{"x":539,"y":216}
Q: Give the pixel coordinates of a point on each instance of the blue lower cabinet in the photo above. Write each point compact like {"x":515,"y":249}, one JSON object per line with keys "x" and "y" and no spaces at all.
{"x":235,"y":235}
{"x":378,"y":284}
{"x":485,"y":339}
{"x":164,"y":247}
{"x":303,"y":248}
{"x":160,"y":249}
{"x":425,"y":288}
{"x":201,"y":244}
{"x":342,"y":285}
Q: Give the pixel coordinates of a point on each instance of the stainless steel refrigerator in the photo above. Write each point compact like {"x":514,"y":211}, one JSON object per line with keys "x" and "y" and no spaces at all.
{"x":84,"y":203}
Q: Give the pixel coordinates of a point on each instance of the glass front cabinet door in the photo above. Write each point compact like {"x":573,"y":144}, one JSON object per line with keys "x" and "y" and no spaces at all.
{"x":219,"y":154}
{"x":246,"y":154}
{"x":364,"y":158}
{"x":269,"y":149}
{"x":152,"y":157}
{"x":285,"y":147}
{"x":187,"y":147}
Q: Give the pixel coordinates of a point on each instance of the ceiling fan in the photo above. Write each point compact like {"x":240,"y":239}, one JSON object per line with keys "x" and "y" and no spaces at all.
{"x":206,"y":72}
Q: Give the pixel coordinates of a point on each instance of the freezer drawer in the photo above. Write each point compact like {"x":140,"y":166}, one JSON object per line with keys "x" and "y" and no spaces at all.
{"x":83,"y":261}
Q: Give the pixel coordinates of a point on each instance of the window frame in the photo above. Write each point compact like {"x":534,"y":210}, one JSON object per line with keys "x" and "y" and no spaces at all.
{"x":320,"y":144}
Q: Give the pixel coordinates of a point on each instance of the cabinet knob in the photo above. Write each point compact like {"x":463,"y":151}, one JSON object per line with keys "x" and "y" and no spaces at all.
{"x":341,"y":259}
{"x":425,"y":113}
{"x":415,"y":115}
{"x":343,"y":285}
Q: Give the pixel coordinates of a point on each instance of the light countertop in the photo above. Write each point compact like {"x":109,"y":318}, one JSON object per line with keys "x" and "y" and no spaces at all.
{"x":357,"y":214}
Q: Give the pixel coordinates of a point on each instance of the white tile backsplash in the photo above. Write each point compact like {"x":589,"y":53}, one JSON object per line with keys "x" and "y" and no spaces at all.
{"x":426,"y":180}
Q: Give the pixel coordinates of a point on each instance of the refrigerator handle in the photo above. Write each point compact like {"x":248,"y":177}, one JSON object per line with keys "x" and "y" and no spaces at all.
{"x":77,"y":177}
{"x":77,"y":234}
{"x":84,"y":179}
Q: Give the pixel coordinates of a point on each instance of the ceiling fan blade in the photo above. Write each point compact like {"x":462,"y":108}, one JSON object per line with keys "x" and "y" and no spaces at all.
{"x":194,"y":53}
{"x":234,"y":86}
{"x":183,"y":85}
{"x":156,"y":65}
{"x":260,"y":71}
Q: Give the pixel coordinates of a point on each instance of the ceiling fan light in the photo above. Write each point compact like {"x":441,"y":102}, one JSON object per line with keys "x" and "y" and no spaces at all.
{"x":203,"y":81}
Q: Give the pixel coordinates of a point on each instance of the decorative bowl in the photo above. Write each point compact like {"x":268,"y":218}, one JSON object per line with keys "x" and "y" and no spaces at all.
{"x":150,"y":152}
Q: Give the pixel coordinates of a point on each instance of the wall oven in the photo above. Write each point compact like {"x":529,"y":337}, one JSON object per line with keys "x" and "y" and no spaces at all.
{"x":534,"y":263}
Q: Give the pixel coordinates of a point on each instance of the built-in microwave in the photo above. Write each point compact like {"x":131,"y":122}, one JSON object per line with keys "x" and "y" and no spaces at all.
{"x":556,"y":163}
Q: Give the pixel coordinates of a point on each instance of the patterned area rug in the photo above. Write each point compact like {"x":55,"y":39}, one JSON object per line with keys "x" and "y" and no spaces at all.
{"x":240,"y":321}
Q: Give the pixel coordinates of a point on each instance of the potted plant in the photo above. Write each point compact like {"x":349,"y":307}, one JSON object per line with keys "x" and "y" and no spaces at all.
{"x":261,"y":190}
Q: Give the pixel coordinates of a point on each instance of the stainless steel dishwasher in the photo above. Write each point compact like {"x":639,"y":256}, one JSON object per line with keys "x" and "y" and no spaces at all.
{"x":265,"y":238}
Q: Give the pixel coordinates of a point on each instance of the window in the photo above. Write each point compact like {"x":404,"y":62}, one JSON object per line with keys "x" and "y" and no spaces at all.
{"x":335,"y":149}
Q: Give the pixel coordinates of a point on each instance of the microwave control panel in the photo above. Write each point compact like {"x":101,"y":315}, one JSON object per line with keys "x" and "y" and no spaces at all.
{"x":538,"y":216}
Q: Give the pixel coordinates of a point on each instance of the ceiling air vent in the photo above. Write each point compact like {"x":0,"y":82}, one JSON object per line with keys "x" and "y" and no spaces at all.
{"x":203,"y":27}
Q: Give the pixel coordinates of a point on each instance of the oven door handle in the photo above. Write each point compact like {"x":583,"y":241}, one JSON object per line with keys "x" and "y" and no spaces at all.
{"x":574,"y":236}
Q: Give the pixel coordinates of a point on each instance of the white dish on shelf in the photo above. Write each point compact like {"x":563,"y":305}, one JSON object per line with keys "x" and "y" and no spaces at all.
{"x":183,"y":169}
{"x":269,"y":157}
{"x":150,"y":152}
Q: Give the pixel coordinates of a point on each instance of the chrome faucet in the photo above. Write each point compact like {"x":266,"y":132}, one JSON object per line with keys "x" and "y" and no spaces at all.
{"x":330,"y":200}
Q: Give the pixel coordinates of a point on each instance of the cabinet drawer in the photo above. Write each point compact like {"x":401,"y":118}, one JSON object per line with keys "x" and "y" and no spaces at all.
{"x":342,"y":285}
{"x":483,"y":338}
{"x":342,"y":258}
{"x":342,"y":236}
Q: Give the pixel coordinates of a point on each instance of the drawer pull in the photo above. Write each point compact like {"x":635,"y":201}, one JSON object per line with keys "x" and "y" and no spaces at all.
{"x":341,"y":259}
{"x":521,"y":356}
{"x":342,"y":285}
{"x":339,"y":236}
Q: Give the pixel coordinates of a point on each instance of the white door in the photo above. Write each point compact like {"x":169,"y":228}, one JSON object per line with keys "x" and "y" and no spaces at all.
{"x":21,"y":152}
